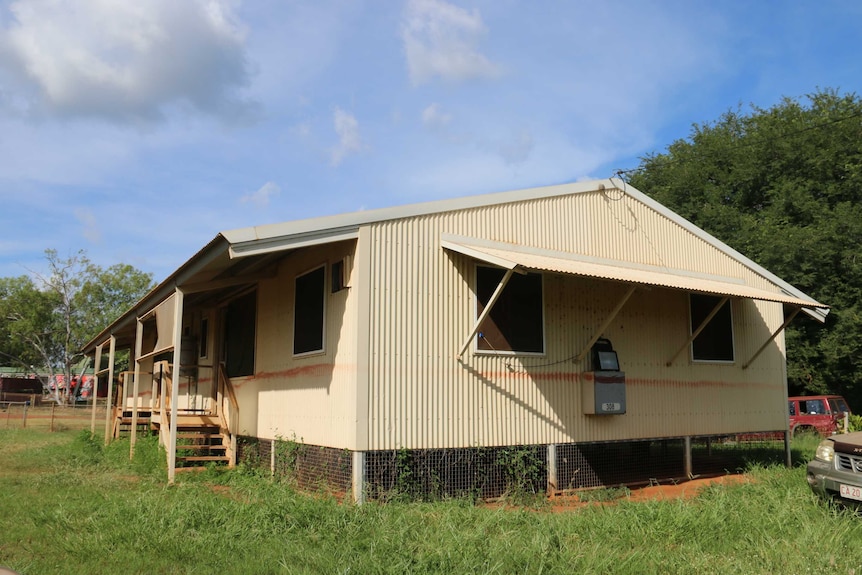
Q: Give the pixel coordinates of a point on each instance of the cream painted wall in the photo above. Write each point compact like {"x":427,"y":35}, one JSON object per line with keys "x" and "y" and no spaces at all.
{"x":308,"y":398}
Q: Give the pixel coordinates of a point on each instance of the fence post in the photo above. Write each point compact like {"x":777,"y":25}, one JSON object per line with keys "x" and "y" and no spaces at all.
{"x":359,"y":477}
{"x":52,"y":416}
{"x":552,"y":469}
{"x":25,"y":415}
{"x":688,"y":466}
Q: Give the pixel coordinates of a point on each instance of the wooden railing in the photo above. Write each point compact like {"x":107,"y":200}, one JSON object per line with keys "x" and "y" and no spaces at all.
{"x":162,"y":403}
{"x":228,"y":410}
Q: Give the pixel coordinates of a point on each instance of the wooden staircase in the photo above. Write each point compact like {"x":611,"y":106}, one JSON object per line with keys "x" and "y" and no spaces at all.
{"x":200,"y":441}
{"x":203,"y":437}
{"x":123,"y":422}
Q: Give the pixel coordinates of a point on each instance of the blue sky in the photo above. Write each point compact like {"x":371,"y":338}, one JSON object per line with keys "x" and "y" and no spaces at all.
{"x":138,"y":130}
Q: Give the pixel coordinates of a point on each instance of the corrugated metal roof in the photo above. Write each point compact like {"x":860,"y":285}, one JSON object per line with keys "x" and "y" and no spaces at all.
{"x":273,"y":238}
{"x":510,"y":257}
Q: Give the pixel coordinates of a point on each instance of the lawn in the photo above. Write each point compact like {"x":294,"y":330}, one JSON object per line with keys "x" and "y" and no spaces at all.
{"x":70,"y":506}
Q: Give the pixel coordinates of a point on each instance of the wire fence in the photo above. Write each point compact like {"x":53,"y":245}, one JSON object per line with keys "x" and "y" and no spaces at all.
{"x":311,"y":467}
{"x":492,"y":472}
{"x":51,"y":417}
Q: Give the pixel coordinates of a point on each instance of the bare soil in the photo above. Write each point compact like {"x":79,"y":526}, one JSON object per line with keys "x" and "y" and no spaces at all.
{"x":682,"y":490}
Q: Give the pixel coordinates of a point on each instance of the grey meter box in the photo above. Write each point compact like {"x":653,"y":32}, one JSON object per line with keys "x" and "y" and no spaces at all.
{"x":606,"y":394}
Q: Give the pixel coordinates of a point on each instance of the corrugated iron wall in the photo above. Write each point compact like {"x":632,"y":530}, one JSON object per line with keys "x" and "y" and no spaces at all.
{"x":421,"y":308}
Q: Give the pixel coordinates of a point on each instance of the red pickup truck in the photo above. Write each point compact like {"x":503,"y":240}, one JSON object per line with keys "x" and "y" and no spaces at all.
{"x":820,"y":413}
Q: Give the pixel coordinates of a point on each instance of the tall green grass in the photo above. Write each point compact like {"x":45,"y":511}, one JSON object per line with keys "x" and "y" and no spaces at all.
{"x":68,"y":505}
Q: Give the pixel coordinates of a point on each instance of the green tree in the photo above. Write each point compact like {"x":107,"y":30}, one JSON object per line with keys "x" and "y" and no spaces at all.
{"x":784,"y":187}
{"x":25,"y":316}
{"x":47,"y":320}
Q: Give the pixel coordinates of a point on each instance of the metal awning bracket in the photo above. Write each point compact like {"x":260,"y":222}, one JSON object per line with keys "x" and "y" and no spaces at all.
{"x":772,"y":337}
{"x":699,"y":329}
{"x":506,"y":277}
{"x":580,"y":357}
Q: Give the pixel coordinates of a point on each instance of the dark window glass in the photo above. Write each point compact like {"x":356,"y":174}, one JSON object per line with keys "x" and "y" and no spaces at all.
{"x":240,"y":329}
{"x":308,"y":312}
{"x":515,"y":322}
{"x":204,"y":338}
{"x":149,"y":335}
{"x":337,"y":274}
{"x":837,"y":405}
{"x":715,"y":342}
{"x":815,"y":407}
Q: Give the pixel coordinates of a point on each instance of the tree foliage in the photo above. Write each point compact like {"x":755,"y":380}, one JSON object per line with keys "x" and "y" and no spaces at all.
{"x":784,"y":187}
{"x":26,"y":316}
{"x":46,"y":319}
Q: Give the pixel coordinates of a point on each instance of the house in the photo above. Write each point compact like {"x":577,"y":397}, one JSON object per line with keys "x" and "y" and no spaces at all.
{"x":552,"y":335}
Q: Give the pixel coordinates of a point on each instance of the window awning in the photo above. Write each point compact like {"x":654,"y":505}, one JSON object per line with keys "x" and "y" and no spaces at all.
{"x":514,"y":257}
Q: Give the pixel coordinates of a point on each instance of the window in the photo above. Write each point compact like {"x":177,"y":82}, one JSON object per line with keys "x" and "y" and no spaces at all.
{"x":815,"y":407}
{"x":715,"y":342}
{"x":837,"y":405}
{"x":339,"y":280}
{"x":515,"y":323}
{"x":240,"y":329}
{"x":309,"y":312}
{"x":791,"y":407}
{"x":204,"y":337}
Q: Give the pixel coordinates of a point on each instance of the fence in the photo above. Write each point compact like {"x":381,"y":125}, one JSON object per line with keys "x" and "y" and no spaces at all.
{"x":492,"y":472}
{"x":23,"y":414}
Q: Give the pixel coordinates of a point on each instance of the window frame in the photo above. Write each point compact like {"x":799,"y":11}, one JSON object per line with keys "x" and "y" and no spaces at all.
{"x":711,"y":330}
{"x":305,"y":311}
{"x":540,"y":329}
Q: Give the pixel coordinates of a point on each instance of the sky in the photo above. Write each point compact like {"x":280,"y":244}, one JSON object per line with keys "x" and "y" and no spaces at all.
{"x":137,"y":131}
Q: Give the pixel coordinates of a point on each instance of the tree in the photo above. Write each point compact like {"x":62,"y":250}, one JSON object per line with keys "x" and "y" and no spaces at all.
{"x":47,"y":320}
{"x":25,"y":314}
{"x":784,"y":186}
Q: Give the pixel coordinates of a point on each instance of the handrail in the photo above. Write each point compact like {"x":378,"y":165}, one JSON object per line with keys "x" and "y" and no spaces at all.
{"x":166,"y":383}
{"x":228,"y":386}
{"x":230,"y":416}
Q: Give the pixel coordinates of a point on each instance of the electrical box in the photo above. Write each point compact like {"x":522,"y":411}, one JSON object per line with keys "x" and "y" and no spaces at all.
{"x":606,"y":394}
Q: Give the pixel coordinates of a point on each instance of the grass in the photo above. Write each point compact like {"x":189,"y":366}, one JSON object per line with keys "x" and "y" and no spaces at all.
{"x":70,"y":506}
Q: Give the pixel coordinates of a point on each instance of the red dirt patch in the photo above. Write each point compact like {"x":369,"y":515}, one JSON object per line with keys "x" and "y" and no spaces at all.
{"x":682,"y":490}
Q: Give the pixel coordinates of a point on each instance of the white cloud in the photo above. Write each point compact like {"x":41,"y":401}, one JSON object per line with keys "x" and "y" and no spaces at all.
{"x":262,"y":196}
{"x":90,"y":225}
{"x":125,"y":61}
{"x":349,"y":139}
{"x":434,"y":117}
{"x":440,"y":40}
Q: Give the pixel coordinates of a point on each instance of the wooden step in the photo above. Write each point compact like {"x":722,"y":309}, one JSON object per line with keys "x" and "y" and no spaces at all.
{"x":201,"y":447}
{"x":203,"y":458}
{"x":141,"y":413}
{"x":128,"y":420}
{"x":193,"y":435}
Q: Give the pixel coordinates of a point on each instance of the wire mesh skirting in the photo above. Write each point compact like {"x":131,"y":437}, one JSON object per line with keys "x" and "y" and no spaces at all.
{"x":311,"y":467}
{"x":475,"y":472}
{"x":493,"y":472}
{"x":632,"y":463}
